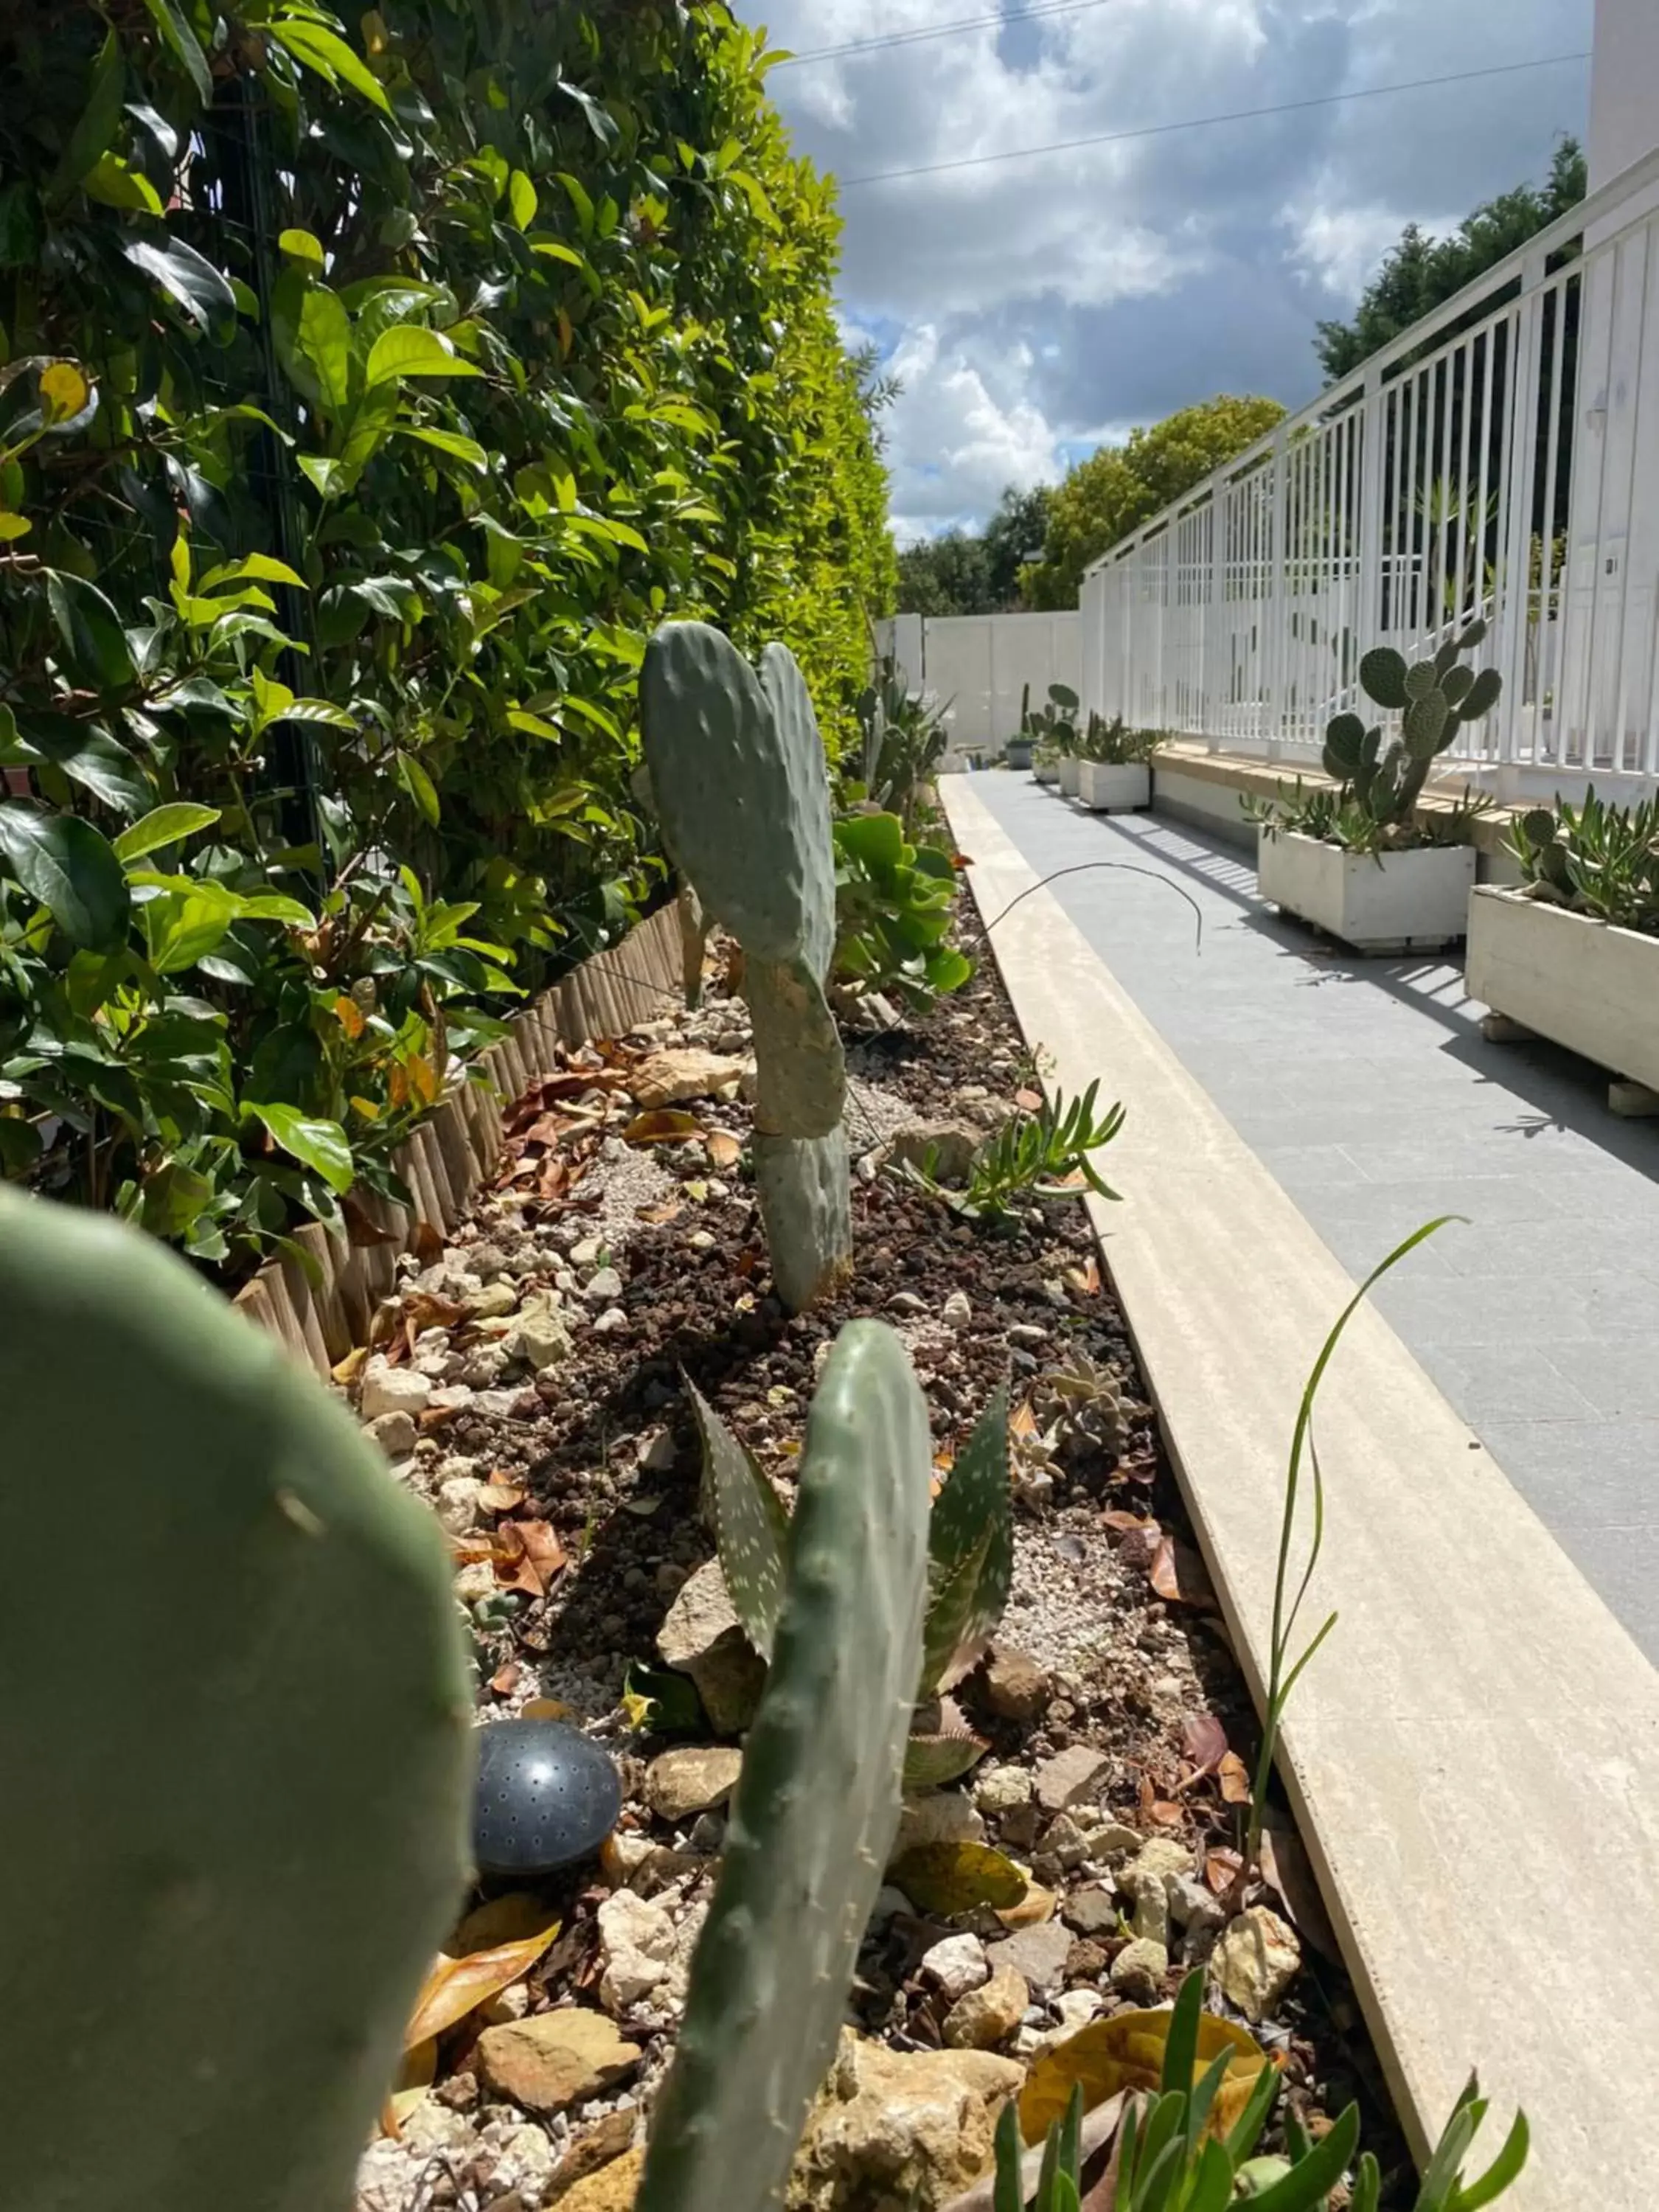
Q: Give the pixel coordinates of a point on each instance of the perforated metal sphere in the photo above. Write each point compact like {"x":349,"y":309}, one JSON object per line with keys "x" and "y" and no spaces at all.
{"x":546,"y":1796}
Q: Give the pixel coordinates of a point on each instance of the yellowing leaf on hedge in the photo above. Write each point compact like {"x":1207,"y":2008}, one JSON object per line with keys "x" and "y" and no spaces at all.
{"x":456,"y":1987}
{"x":350,"y":1015}
{"x":1127,"y":2052}
{"x":952,"y":1878}
{"x":64,"y":391}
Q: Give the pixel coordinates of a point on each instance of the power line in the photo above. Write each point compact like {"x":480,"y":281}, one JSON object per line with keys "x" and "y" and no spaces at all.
{"x":938,"y":31}
{"x":1207,"y":122}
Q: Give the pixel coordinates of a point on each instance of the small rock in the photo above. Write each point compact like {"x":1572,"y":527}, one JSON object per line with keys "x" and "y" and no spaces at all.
{"x":637,"y":1936}
{"x":554,"y":2059}
{"x":1076,"y":2008}
{"x":1114,"y":1839}
{"x":943,"y":1816}
{"x":1038,"y":1953}
{"x":392,"y":1390}
{"x":951,"y":1145}
{"x":1162,"y":1856}
{"x":1013,"y":1684}
{"x":540,"y":1336}
{"x":681,"y":1783}
{"x":732,"y":1041}
{"x":1069,"y":1775}
{"x":1067,"y":1840}
{"x":395,"y":1433}
{"x":957,"y":1310}
{"x":493,"y":1303}
{"x":898,"y":2128}
{"x":1255,"y":1961}
{"x":585,"y":1252}
{"x":1149,"y":1916}
{"x":1084,"y":1961}
{"x":1092,"y":1911}
{"x":612,"y":1319}
{"x":1001,"y":1789}
{"x":702,"y":1636}
{"x":612,"y":2189}
{"x":989,"y":2014}
{"x":660,"y":1454}
{"x":1192,"y":1906}
{"x":1139,"y":1972}
{"x":527,"y":2160}
{"x":701,"y":1240}
{"x":958,"y":1965}
{"x":475,"y":1582}
{"x":1027,"y":1335}
{"x":604,"y":1286}
{"x":458,"y":1503}
{"x":707,"y":1835}
{"x":668,"y":1078}
{"x":907,"y":1302}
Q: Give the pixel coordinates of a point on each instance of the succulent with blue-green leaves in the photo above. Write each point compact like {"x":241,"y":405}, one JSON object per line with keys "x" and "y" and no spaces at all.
{"x":235,"y":1829}
{"x":817,"y":1803}
{"x":1435,"y":698}
{"x":740,"y":786}
{"x":970,"y":1566}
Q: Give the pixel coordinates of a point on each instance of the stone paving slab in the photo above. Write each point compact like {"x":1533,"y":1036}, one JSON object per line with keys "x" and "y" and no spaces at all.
{"x":1474,"y":1755}
{"x":1366,"y":1089}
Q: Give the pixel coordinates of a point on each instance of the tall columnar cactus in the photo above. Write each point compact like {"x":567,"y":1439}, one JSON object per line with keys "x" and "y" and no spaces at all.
{"x":817,"y":1803}
{"x":234,"y":1713}
{"x":740,"y":786}
{"x":1435,"y":697}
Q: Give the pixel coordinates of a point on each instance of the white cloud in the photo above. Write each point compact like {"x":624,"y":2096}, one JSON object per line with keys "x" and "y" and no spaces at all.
{"x":1024,"y":302}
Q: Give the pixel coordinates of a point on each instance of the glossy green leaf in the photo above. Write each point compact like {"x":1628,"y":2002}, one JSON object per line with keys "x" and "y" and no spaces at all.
{"x":411,"y":349}
{"x":192,"y":284}
{"x":112,"y":184}
{"x":91,"y":139}
{"x":65,"y":864}
{"x":459,"y":447}
{"x":318,"y":1145}
{"x":91,"y":631}
{"x":164,"y":825}
{"x":170,"y":22}
{"x":327,"y":54}
{"x":521,"y":199}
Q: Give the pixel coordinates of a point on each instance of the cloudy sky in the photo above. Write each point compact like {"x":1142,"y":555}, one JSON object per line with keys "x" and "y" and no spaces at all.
{"x":1033,"y":307}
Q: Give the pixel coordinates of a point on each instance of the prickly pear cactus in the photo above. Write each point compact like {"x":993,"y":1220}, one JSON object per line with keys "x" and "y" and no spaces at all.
{"x":817,"y":1804}
{"x":738,"y":779}
{"x":235,"y":1722}
{"x":1434,"y":698}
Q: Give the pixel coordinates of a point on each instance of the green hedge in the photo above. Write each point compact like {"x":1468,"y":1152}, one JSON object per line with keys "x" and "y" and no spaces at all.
{"x":366,"y":400}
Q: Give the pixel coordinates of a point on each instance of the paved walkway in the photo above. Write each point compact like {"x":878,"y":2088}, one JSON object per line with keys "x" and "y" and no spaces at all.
{"x":1366,"y":1088}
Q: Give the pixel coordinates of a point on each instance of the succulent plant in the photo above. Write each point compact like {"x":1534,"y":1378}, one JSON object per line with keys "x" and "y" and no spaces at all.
{"x":1053,"y":725}
{"x":818,"y":1805}
{"x":1594,"y":859}
{"x":1081,"y":1403}
{"x":242,"y":1834}
{"x":971,"y":1564}
{"x":1435,"y":697}
{"x":739,"y":780}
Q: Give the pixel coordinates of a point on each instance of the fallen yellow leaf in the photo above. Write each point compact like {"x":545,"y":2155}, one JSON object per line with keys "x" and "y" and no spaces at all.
{"x":1034,"y":1910}
{"x":1127,"y":2052}
{"x":509,"y":1918}
{"x":952,"y":1878}
{"x":456,"y":1987}
{"x":665,"y":1125}
{"x":725,"y":1151}
{"x":415,"y":2077}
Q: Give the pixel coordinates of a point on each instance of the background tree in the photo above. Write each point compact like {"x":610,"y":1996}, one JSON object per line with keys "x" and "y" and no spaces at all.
{"x":1420,"y":271}
{"x":962,"y":573}
{"x":1119,"y":487}
{"x":1013,"y":536}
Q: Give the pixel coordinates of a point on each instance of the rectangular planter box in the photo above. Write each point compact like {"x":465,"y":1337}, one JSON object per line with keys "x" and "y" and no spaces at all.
{"x":1115,"y":787}
{"x":1070,"y":770}
{"x":1411,"y":902}
{"x":1582,"y":983}
{"x":1017,"y":753}
{"x":1049,"y":773}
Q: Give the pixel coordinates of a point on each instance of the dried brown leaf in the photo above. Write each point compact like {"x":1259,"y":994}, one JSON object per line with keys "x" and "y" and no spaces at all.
{"x":1178,"y":1576}
{"x":1235,"y":1779}
{"x":500,"y":1498}
{"x":507,"y":1679}
{"x":665,"y":1125}
{"x":1203,"y":1741}
{"x":456,"y":1987}
{"x":724,"y":1150}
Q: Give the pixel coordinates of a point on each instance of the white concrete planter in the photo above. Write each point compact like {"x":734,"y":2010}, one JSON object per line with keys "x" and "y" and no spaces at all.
{"x":1407,"y":902}
{"x":1046,"y":771}
{"x":1070,"y":770}
{"x":1115,"y":787}
{"x":1582,"y":983}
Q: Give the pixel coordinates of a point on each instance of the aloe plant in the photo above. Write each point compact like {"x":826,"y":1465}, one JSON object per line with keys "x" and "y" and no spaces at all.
{"x":1039,"y":1155}
{"x":818,"y":1805}
{"x":970,"y":1564}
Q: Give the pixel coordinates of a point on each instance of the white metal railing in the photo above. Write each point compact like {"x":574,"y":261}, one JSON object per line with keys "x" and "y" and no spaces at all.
{"x":1501,"y":457}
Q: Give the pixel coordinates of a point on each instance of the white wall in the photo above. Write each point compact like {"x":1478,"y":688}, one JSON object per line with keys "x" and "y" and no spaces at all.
{"x":982,"y":663}
{"x":1623,"y":87}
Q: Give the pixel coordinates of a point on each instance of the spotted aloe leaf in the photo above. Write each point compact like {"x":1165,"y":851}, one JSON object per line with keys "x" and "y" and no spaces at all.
{"x":972,"y":1526}
{"x":751,"y":1529}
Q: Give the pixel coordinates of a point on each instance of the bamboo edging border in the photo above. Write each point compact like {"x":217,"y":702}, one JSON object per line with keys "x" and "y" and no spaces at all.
{"x":445,"y":1160}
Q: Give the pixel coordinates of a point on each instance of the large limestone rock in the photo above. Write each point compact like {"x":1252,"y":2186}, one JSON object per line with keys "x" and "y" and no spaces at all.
{"x":899,"y":2132}
{"x":703,"y":1637}
{"x":554,"y":2059}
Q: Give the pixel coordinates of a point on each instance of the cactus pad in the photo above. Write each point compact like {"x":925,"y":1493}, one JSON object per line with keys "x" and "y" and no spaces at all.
{"x":816,"y":1806}
{"x":238,"y":1830}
